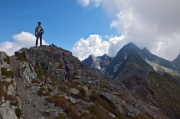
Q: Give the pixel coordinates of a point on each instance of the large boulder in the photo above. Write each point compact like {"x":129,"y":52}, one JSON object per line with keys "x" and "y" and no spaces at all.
{"x":27,"y":71}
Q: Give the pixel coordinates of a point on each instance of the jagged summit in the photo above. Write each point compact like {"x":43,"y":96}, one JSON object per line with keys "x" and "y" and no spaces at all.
{"x":120,"y":58}
{"x":133,"y":65}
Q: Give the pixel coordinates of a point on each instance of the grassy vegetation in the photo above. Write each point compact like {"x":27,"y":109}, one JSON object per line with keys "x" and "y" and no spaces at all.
{"x":43,"y":92}
{"x":7,"y":74}
{"x":60,"y":101}
{"x":54,"y":81}
{"x":166,"y":93}
{"x":60,"y":116}
{"x":21,"y":56}
{"x":47,"y":114}
{"x":64,"y":89}
{"x":71,"y":112}
{"x":97,"y":113}
{"x":49,"y":99}
{"x":77,"y":83}
{"x":105,"y":86}
{"x":41,"y":71}
{"x":13,"y":100}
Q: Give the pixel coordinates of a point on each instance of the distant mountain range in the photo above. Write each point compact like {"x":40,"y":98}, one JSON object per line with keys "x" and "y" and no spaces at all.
{"x":131,"y":57}
{"x":152,"y":79}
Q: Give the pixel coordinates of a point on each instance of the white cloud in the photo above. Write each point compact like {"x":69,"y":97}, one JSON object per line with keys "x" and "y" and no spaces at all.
{"x":95,"y":45}
{"x":148,"y":23}
{"x":153,"y":24}
{"x":86,"y":3}
{"x":23,"y":39}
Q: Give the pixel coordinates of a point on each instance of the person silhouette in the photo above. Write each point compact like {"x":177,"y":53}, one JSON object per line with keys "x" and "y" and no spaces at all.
{"x":38,"y":33}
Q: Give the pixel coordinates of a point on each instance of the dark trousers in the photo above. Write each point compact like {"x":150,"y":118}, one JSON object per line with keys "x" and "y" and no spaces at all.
{"x":39,"y":36}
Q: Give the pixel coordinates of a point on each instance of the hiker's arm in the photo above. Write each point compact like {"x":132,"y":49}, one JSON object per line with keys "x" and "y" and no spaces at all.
{"x":42,"y":30}
{"x":35,"y":31}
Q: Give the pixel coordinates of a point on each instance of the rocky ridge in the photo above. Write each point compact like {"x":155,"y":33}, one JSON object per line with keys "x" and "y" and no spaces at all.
{"x":41,"y":91}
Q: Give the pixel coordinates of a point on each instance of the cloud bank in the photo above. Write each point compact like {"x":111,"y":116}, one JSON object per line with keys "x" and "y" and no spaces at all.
{"x":95,"y":45}
{"x":153,"y":24}
{"x":23,"y":39}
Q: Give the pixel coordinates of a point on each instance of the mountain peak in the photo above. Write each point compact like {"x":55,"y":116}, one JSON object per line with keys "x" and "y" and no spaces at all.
{"x":130,"y":44}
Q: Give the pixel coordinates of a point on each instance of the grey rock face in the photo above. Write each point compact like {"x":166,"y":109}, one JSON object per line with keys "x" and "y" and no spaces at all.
{"x":27,"y":71}
{"x":52,"y":61}
{"x":7,"y":112}
{"x":8,"y":99}
{"x":5,"y":68}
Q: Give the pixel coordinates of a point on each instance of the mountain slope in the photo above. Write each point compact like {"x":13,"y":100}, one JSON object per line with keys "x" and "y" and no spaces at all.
{"x":120,"y":58}
{"x":146,"y":54}
{"x":133,"y":65}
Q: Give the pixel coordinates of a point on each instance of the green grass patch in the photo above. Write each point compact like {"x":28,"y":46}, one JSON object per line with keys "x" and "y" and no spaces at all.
{"x":41,"y":70}
{"x":64,"y":89}
{"x":21,"y":56}
{"x":7,"y":74}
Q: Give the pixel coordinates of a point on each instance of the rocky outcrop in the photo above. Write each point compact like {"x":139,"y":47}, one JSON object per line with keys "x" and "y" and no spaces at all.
{"x":9,"y":103}
{"x":50,"y":61}
{"x":27,"y":71}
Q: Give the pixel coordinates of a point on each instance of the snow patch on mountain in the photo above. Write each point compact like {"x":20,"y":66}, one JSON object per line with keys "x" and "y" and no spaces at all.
{"x":160,"y":68}
{"x":116,"y":67}
{"x":96,"y":62}
{"x":125,"y":56}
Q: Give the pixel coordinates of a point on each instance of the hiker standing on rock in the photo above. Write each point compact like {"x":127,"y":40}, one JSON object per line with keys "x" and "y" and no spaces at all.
{"x":38,"y":33}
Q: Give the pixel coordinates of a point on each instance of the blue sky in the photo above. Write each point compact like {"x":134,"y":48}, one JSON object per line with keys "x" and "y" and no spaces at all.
{"x":64,"y":21}
{"x":94,"y":27}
